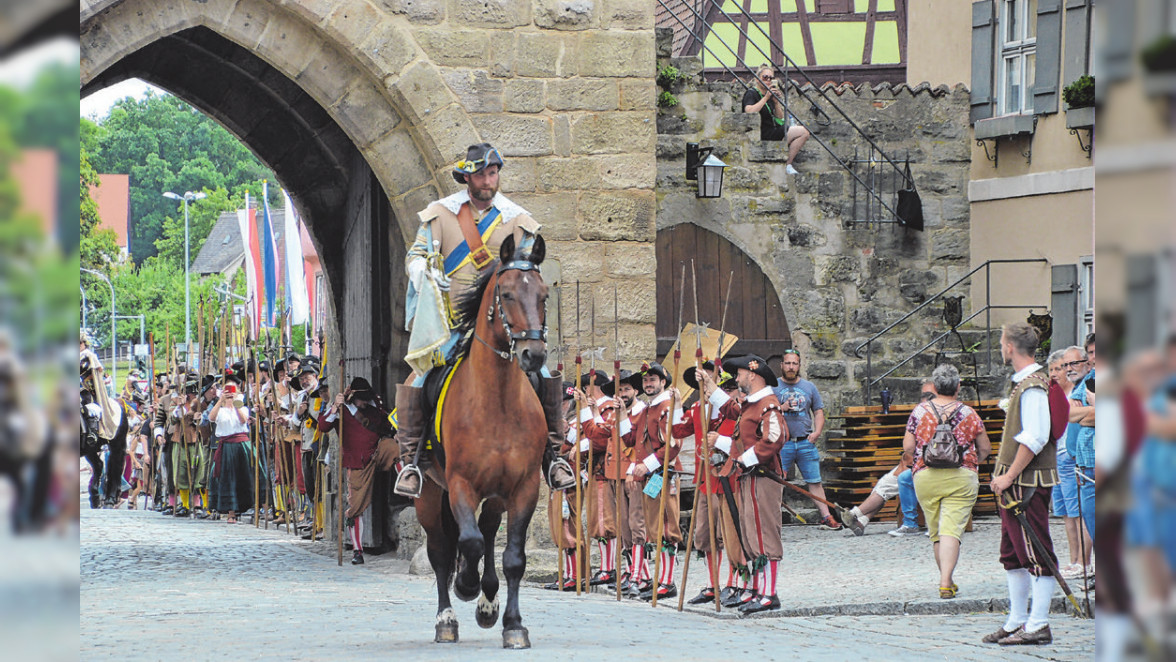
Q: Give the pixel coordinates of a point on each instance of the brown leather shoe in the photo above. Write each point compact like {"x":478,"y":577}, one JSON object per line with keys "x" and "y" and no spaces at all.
{"x":1023,"y":638}
{"x":1001,"y":633}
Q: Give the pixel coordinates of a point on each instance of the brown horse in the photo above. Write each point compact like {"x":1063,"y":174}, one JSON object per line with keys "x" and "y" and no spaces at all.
{"x":493,"y":433}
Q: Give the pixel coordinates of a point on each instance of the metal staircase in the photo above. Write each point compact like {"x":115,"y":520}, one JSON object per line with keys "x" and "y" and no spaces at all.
{"x":954,"y":322}
{"x":877,"y":178}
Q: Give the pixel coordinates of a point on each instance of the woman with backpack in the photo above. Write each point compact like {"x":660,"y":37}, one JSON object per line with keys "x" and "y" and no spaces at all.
{"x":948,"y":442}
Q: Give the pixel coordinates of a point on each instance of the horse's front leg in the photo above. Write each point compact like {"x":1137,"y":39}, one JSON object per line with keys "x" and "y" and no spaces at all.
{"x":488,"y":522}
{"x":470,"y":545}
{"x":514,"y":563}
{"x":433,"y":514}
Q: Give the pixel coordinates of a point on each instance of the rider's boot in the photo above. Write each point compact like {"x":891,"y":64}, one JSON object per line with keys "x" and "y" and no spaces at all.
{"x":556,"y":470}
{"x":410,"y":419}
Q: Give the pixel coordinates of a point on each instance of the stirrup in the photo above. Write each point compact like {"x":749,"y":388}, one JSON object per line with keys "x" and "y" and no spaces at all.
{"x":409,"y":470}
{"x":568,"y":483}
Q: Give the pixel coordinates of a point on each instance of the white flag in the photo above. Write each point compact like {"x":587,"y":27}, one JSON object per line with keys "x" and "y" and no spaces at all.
{"x":296,"y":298}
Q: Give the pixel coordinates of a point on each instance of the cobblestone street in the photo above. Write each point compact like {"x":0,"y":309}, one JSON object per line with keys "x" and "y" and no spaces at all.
{"x":156,"y":587}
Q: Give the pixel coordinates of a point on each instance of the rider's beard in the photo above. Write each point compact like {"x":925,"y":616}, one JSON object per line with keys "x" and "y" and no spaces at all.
{"x":485,"y":194}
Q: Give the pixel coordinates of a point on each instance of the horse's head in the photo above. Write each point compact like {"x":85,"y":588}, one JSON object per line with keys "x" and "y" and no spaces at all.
{"x":520,"y":298}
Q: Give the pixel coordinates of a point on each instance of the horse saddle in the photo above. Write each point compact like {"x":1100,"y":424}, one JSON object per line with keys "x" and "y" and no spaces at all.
{"x":434,"y":390}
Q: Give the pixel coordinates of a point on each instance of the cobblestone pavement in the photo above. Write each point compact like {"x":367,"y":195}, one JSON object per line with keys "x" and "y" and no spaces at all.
{"x":156,"y":587}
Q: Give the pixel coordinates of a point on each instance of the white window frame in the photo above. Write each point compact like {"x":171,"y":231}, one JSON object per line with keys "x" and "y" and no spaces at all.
{"x":1085,"y":297}
{"x":1022,"y":49}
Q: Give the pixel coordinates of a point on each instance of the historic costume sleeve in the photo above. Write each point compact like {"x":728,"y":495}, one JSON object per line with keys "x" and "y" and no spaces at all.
{"x":1034,"y":433}
{"x":597,"y":430}
{"x":729,"y":410}
{"x":664,"y":452}
{"x":686,"y":426}
{"x":626,"y":426}
{"x":774,"y":433}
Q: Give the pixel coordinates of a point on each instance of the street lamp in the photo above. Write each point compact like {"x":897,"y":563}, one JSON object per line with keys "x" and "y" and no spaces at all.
{"x":113,"y":341}
{"x":705,"y":167}
{"x":187,"y":197}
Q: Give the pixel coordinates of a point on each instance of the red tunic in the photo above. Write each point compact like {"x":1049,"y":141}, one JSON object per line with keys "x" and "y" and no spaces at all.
{"x":359,"y":443}
{"x":647,"y":436}
{"x":721,"y":422}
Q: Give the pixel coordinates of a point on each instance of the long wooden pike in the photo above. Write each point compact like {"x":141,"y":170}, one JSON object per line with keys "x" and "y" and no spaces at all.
{"x":589,"y":483}
{"x":702,"y":462}
{"x":151,"y":443}
{"x":339,"y":468}
{"x":257,"y":440}
{"x":577,"y":575}
{"x":618,"y":485}
{"x":669,"y":445}
{"x":559,"y":367}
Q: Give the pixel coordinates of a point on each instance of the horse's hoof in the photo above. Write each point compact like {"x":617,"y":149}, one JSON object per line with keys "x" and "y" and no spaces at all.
{"x":487,"y":612}
{"x":446,"y":628}
{"x":516,"y":639}
{"x":465,"y":595}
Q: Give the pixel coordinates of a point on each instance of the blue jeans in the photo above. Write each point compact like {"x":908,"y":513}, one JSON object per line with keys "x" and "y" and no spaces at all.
{"x":1086,"y":496}
{"x":1065,"y":495}
{"x":907,"y":501}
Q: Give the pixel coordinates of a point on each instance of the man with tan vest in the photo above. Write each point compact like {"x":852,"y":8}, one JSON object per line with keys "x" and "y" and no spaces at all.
{"x":1025,"y":471}
{"x":459,"y":237}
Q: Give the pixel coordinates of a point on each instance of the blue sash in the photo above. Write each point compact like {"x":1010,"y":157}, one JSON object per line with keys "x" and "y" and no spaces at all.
{"x":453,"y":260}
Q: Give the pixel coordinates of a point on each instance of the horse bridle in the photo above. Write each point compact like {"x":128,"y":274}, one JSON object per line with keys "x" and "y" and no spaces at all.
{"x":515,"y":337}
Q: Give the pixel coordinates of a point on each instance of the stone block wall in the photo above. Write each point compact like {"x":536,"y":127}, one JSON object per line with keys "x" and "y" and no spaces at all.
{"x":838,"y":282}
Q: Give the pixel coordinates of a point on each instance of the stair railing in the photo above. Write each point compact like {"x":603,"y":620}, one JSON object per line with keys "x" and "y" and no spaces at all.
{"x":882,"y":158}
{"x":985,"y":310}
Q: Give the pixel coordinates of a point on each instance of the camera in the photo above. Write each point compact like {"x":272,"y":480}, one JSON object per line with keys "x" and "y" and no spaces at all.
{"x":231,"y":389}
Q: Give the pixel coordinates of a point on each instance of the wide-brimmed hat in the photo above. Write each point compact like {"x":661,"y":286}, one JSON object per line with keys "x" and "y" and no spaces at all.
{"x":232,"y":376}
{"x":626,"y":376}
{"x":360,"y":388}
{"x":690,"y":375}
{"x":594,"y":378}
{"x":754,"y":363}
{"x":478,"y":157}
{"x":293,"y":356}
{"x":654,"y":368}
{"x":206,"y":383}
{"x":280,"y":366}
{"x":569,"y":391}
{"x":309,"y":364}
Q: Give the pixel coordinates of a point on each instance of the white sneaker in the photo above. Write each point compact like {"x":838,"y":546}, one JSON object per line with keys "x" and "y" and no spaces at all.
{"x":903,"y":531}
{"x":790,"y":170}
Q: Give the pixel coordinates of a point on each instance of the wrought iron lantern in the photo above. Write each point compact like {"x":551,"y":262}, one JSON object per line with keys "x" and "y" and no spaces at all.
{"x":706,"y":168}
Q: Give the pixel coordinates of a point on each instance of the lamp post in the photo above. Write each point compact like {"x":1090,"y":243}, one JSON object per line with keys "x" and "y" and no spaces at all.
{"x":113,"y":340}
{"x":188,"y":196}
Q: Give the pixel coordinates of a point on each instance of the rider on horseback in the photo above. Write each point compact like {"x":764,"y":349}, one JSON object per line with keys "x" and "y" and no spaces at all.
{"x":460,"y":235}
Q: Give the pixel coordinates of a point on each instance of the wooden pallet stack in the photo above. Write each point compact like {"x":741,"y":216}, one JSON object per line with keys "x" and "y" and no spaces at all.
{"x":872,"y":445}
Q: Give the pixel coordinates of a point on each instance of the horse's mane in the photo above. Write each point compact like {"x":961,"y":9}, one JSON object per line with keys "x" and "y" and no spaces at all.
{"x":466,"y":308}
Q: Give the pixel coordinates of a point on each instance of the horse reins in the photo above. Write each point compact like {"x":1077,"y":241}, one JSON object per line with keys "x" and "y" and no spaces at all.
{"x":515,"y":337}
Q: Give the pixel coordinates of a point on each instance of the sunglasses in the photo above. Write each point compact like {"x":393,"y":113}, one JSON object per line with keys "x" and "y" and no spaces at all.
{"x":765,"y":78}
{"x":470,"y":167}
{"x":791,"y":351}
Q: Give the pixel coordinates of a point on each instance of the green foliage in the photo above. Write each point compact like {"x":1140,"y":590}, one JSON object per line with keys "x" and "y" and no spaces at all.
{"x":666,"y":100}
{"x":667,"y":76}
{"x":1080,"y":93}
{"x":1160,"y":55}
{"x":164,"y":144}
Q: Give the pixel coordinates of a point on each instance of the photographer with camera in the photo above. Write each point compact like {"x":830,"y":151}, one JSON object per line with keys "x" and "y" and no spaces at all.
{"x":231,"y":464}
{"x":776,"y":123}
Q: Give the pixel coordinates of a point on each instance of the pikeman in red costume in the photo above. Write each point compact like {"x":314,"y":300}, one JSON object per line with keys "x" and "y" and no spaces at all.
{"x":761,"y":433}
{"x":722,"y":423}
{"x":598,"y":416}
{"x":368,"y":445}
{"x":646,"y":433}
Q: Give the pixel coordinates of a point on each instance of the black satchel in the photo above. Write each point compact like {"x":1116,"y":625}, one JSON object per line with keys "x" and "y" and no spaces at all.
{"x":909,"y":207}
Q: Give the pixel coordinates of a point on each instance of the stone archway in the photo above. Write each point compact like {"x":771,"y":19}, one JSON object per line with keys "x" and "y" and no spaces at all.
{"x":353,"y":122}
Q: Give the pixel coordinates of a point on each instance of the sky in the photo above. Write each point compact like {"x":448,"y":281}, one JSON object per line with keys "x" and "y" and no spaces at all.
{"x":98,"y":104}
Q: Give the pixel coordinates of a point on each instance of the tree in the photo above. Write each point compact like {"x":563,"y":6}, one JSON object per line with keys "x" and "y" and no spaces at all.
{"x":164,"y":144}
{"x":202,"y":216}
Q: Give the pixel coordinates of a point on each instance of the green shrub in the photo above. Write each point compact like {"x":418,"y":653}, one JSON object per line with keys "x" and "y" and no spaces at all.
{"x":1160,"y":55}
{"x":666,"y":100}
{"x":667,"y":76}
{"x":1080,"y":93}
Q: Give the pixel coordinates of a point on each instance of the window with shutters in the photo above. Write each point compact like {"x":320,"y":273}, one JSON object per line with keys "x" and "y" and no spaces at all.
{"x":1086,"y":296}
{"x":1017,"y":63}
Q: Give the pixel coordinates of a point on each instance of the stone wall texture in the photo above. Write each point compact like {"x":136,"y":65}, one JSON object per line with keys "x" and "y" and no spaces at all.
{"x":838,"y":282}
{"x":563,"y":87}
